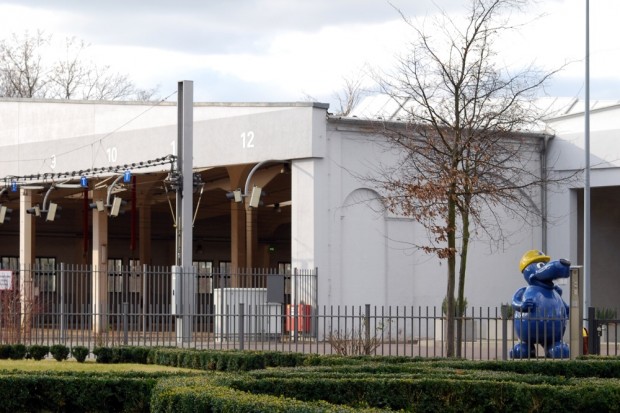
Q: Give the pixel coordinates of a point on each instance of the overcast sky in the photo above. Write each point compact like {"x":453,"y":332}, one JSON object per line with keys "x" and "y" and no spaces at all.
{"x":286,"y":50}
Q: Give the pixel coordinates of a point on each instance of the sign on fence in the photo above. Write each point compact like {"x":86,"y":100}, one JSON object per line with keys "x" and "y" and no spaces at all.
{"x":6,"y":280}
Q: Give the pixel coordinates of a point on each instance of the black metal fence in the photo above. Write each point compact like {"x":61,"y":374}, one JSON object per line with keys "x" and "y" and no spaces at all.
{"x":258,"y":310}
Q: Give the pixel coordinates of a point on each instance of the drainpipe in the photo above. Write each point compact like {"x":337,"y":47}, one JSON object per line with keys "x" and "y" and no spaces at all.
{"x":543,"y":191}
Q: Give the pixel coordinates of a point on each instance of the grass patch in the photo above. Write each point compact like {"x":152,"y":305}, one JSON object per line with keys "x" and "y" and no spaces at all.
{"x":87,"y":366}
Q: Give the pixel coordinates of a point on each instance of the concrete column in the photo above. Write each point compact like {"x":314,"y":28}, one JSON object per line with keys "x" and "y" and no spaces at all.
{"x":251,"y":237}
{"x":310,"y":222}
{"x":26,"y":259}
{"x":100,"y":265}
{"x":237,"y":240}
{"x":238,"y":257}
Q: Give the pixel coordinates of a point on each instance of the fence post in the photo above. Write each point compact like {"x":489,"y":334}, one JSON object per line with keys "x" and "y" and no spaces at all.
{"x":367,"y":323}
{"x":63,"y":324}
{"x":125,"y":327}
{"x":504,"y":314}
{"x":241,"y":326}
{"x":18,"y":321}
{"x":295,"y":315}
{"x":594,"y":340}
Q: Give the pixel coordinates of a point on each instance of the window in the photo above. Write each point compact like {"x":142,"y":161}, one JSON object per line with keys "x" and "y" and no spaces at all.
{"x":204,"y":271}
{"x":285,"y":269}
{"x":45,"y":274}
{"x":225,"y":267}
{"x":115,"y":275}
{"x":135,"y":276}
{"x":9,"y":263}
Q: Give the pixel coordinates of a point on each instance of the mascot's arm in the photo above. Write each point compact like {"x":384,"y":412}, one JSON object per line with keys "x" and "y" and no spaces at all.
{"x":518,"y":304}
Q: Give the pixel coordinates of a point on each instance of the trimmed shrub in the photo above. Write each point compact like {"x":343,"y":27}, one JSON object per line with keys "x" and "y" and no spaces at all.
{"x":103,"y":354}
{"x":38,"y":352}
{"x":5,"y":351}
{"x":124,"y":354}
{"x":80,"y":353}
{"x":222,"y":360}
{"x":18,"y":352}
{"x":60,"y":352}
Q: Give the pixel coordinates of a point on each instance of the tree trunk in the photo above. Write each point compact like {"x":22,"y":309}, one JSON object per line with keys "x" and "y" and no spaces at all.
{"x":451,"y":276}
{"x":460,"y":301}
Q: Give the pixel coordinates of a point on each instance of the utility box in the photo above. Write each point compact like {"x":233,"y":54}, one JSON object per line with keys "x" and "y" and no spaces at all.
{"x":176,"y":295}
{"x":261,"y":319}
{"x":275,"y":288}
{"x":182,"y":297}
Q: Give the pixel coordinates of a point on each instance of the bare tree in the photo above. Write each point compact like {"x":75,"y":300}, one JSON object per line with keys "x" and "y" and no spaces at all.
{"x":465,"y":157}
{"x":103,"y":84}
{"x":69,"y":73}
{"x":24,"y":72}
{"x":147,"y":95}
{"x":350,"y":95}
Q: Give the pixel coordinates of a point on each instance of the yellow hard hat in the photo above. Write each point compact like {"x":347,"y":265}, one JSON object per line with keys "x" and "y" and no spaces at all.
{"x":532,"y":256}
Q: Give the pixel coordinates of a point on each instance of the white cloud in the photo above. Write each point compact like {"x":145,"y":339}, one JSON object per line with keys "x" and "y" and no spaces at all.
{"x":284,"y":49}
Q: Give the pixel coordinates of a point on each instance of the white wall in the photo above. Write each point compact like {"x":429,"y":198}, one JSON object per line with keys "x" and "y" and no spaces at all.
{"x":378,"y":263}
{"x":567,"y":154}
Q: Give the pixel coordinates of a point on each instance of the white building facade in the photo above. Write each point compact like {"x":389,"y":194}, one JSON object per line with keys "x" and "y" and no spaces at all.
{"x":317,"y":211}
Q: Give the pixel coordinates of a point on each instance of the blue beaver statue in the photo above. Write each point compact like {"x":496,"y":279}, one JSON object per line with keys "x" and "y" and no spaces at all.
{"x":540,"y":315}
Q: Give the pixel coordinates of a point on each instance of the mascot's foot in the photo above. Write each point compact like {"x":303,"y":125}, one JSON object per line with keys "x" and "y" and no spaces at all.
{"x":522,"y":351}
{"x":558,"y":351}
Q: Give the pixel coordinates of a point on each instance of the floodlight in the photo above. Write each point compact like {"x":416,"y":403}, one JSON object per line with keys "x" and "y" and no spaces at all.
{"x":255,"y":197}
{"x":4,"y":214}
{"x":116,"y":206}
{"x":51,"y":211}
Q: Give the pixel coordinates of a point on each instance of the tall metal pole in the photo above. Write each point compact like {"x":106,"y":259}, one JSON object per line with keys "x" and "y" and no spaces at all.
{"x":184,"y":201}
{"x":586,"y":189}
{"x":184,"y":205}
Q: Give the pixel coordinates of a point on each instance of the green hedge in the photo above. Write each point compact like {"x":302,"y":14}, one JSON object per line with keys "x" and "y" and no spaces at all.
{"x":230,"y":360}
{"x":446,"y":391}
{"x":180,"y":396}
{"x":48,"y":391}
{"x":251,"y":381}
